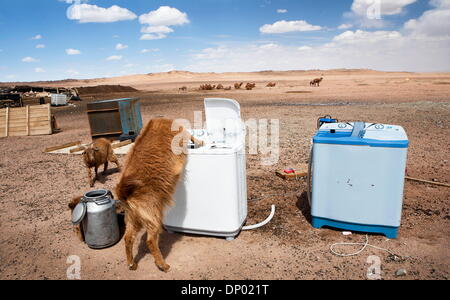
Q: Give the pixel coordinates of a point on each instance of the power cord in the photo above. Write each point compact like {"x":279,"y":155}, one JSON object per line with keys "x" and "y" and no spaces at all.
{"x":364,"y":246}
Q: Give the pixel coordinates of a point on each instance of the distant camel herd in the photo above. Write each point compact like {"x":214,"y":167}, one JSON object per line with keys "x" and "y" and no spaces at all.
{"x":249,"y":86}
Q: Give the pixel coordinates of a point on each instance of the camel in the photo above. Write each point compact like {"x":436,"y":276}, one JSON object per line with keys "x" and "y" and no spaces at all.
{"x":250,"y":86}
{"x":237,"y":86}
{"x":316,"y":82}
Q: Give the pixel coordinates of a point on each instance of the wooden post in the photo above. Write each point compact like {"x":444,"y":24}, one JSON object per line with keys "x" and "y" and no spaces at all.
{"x":50,"y":118}
{"x":77,"y":149}
{"x":51,"y":149}
{"x":28,"y":120}
{"x":427,"y":181}
{"x":7,"y":122}
{"x":121,"y":144}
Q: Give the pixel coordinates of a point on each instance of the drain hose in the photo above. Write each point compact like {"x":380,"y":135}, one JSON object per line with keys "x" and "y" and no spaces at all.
{"x":251,"y":227}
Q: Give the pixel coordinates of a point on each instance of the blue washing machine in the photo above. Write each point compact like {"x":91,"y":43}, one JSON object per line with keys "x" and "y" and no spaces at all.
{"x":358,"y":174}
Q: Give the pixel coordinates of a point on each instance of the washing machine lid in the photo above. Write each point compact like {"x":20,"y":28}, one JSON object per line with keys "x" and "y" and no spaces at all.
{"x":362,"y":134}
{"x":223,"y":119}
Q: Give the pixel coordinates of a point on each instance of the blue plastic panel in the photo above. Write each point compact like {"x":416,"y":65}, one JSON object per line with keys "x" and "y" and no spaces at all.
{"x":347,"y":139}
{"x":130,"y":116}
{"x":389,"y":232}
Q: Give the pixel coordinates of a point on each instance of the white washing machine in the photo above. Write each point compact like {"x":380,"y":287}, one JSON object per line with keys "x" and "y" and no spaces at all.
{"x":358,"y":176}
{"x":211,"y":198}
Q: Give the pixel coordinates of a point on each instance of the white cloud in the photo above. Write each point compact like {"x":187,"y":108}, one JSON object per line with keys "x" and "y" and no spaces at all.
{"x":288,"y":26}
{"x":149,"y":50}
{"x":72,"y":72}
{"x":304,"y":48}
{"x":86,"y":13}
{"x":434,"y":22}
{"x":40,"y":46}
{"x":212,"y":53}
{"x":345,"y":26}
{"x":370,"y":13}
{"x":390,"y":7}
{"x":164,"y":16}
{"x":37,"y":37}
{"x":74,"y":1}
{"x":114,"y":57}
{"x":29,"y":59}
{"x":268,"y":46}
{"x":39,"y":70}
{"x":158,"y":21}
{"x":368,"y":37}
{"x":149,"y":37}
{"x":282,"y":11}
{"x":120,"y":46}
{"x":157,"y":29}
{"x":73,"y":52}
{"x":162,"y":68}
{"x":155,"y":32}
{"x":380,"y":50}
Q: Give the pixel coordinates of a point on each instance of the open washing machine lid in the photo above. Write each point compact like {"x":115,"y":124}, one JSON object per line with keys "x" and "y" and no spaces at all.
{"x":223,"y":119}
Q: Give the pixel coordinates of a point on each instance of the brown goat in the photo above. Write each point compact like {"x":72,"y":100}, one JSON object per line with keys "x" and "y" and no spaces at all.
{"x":97,"y":154}
{"x":271,"y":84}
{"x":219,"y":87}
{"x":148,"y":183}
{"x":227,"y":88}
{"x":183,"y":89}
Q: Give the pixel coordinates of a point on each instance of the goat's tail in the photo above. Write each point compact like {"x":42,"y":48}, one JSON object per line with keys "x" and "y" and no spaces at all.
{"x":126,"y":188}
{"x":75,"y":202}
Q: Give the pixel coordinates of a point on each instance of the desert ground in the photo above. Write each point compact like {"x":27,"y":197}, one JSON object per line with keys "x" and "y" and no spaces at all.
{"x":36,"y":236}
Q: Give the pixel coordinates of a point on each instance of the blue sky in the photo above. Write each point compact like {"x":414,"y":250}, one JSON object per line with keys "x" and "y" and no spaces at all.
{"x":57,"y":39}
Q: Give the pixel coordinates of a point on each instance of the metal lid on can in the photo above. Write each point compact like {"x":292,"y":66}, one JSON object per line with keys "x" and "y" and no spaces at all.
{"x":78,"y":213}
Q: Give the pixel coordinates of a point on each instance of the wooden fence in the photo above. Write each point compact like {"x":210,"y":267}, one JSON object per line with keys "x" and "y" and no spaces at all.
{"x":25,"y":121}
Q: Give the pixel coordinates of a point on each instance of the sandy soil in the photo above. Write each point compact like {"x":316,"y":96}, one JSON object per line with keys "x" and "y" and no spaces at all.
{"x":36,"y":237}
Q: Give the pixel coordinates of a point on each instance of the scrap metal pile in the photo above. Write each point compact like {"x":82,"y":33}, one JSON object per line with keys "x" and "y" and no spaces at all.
{"x":16,"y":95}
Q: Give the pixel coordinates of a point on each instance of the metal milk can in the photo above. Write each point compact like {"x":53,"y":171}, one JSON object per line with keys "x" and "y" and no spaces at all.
{"x":97,"y":214}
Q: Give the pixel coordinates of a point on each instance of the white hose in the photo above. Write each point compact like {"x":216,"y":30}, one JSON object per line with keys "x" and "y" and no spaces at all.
{"x":251,"y":227}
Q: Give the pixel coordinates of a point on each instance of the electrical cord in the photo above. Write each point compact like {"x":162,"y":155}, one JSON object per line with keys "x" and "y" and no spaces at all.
{"x":364,"y":246}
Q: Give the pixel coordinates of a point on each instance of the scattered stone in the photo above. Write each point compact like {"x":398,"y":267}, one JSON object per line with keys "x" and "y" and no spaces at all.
{"x":401,"y":272}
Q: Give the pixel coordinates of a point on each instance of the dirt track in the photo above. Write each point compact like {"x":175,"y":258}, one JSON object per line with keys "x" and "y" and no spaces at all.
{"x":36,"y":236}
